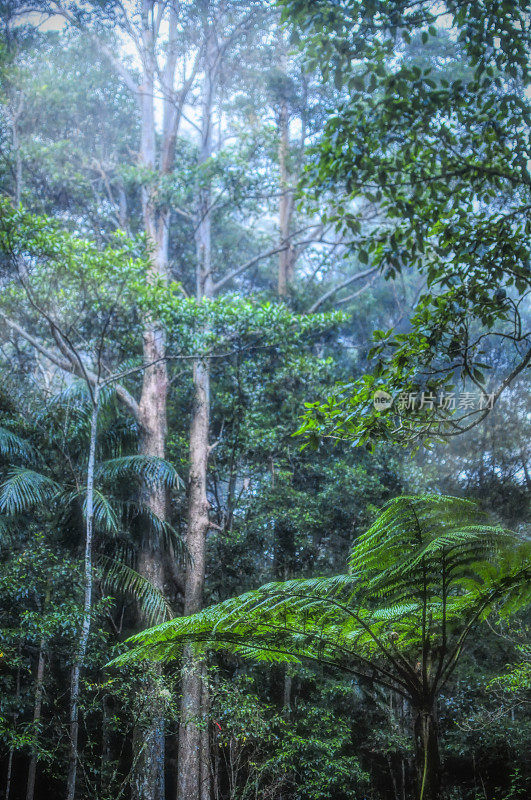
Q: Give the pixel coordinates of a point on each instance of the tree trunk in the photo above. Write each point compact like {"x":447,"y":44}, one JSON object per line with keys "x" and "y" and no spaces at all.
{"x":427,"y":758}
{"x":285,"y":265}
{"x":189,"y":779}
{"x":15,"y":718}
{"x":87,"y":608}
{"x":147,"y":780}
{"x":37,"y":706}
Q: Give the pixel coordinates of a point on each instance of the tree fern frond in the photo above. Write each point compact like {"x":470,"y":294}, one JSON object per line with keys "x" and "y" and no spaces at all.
{"x":427,"y":568}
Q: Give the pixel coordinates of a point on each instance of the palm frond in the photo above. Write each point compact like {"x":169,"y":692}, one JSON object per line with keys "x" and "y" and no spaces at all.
{"x":148,"y":469}
{"x":13,"y":446}
{"x":24,"y":489}
{"x":122,"y":579}
{"x":7,"y":530}
{"x":105,"y":514}
{"x":171,"y":537}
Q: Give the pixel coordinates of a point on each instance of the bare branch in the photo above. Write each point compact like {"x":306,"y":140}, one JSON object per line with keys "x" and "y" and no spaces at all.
{"x":71,"y":366}
{"x":356,"y":294}
{"x":359,"y":276}
{"x":238,"y":271}
{"x":104,"y":49}
{"x":248,"y":264}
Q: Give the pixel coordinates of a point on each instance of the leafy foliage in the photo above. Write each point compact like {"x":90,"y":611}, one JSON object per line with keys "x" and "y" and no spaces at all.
{"x":434,"y":139}
{"x":420,"y":578}
{"x":122,"y":579}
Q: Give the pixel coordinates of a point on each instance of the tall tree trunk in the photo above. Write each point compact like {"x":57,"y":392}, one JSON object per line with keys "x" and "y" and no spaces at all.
{"x":147,"y":780}
{"x":427,"y":758}
{"x":189,"y":759}
{"x":191,"y":748}
{"x":285,"y":259}
{"x":87,"y":607}
{"x":37,"y":705}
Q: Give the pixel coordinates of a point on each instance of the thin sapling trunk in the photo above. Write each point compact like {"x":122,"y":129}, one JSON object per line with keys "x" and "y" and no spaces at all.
{"x":87,"y":605}
{"x":37,"y":706}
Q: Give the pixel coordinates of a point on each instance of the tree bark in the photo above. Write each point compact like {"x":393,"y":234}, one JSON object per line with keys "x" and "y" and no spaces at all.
{"x":189,"y":783}
{"x":87,"y":607}
{"x":189,"y":759}
{"x":286,"y":255}
{"x":147,"y":780}
{"x":427,"y":758}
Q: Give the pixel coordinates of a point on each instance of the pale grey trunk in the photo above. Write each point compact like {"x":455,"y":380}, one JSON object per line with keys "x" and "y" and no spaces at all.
{"x":194,"y":757}
{"x":87,"y":608}
{"x":285,"y":213}
{"x":189,"y":759}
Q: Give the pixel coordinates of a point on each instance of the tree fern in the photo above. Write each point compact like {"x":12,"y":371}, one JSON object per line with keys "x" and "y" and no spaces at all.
{"x":419,"y":579}
{"x":438,"y":575}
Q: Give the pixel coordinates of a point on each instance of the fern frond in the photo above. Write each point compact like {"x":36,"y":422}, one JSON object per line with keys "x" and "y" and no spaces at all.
{"x":427,"y":565}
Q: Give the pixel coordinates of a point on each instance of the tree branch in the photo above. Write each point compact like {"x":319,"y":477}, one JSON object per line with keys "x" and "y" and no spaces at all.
{"x":71,"y":366}
{"x":238,"y":271}
{"x":335,"y":289}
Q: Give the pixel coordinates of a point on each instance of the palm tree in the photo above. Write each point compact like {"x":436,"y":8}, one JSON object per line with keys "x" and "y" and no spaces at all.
{"x":51,"y":478}
{"x":424,"y":574}
{"x":91,"y":491}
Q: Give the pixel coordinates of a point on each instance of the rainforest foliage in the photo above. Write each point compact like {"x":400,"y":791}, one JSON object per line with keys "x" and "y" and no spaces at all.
{"x":264,"y":345}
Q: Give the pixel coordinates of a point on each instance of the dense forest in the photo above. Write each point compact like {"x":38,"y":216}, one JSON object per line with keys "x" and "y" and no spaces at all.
{"x":264,"y":411}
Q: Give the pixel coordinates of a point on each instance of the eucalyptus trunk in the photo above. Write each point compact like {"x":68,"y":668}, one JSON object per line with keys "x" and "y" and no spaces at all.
{"x":193,"y":747}
{"x":286,"y":255}
{"x":190,"y":750}
{"x":147,"y":780}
